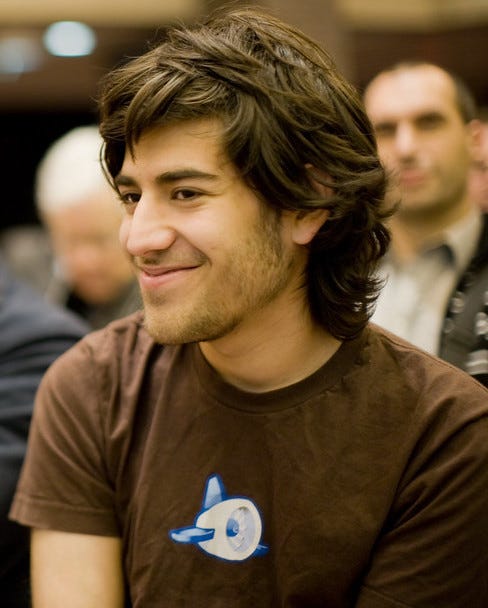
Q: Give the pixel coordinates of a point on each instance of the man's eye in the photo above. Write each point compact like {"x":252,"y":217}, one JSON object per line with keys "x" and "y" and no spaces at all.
{"x":129,"y":198}
{"x":430,"y":121}
{"x":185,"y":194}
{"x":384,"y":130}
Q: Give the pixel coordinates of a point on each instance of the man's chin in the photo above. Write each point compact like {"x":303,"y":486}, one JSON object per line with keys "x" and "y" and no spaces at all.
{"x":176,"y":331}
{"x":166,"y":333}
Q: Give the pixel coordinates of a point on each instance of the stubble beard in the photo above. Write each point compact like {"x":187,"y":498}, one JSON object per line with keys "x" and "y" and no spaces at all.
{"x":257,"y":272}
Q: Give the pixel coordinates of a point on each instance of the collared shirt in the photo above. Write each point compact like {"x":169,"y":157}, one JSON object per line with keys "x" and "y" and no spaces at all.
{"x":413,"y":302}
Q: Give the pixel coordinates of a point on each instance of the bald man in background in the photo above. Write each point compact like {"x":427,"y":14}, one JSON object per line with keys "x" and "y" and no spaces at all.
{"x":436,"y":272}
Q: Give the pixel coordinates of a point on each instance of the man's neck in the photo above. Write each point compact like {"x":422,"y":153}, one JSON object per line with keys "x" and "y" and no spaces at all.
{"x":268,"y":353}
{"x":412,"y":233}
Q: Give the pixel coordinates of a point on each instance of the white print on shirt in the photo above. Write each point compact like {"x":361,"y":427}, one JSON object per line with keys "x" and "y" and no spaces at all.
{"x":227,"y":527}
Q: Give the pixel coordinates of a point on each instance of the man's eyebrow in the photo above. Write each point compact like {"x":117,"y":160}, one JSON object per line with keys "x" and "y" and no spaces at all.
{"x":430,"y":114}
{"x":384,"y":124}
{"x":173,"y":176}
{"x":123,"y":180}
{"x":168,"y":177}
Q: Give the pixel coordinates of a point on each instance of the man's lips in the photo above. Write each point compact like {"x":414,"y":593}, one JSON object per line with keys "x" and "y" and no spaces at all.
{"x":411,"y":177}
{"x":155,"y":276}
{"x":159,"y":270}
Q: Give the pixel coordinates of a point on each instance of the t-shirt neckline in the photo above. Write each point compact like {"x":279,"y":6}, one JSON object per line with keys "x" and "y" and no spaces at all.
{"x":347,"y":356}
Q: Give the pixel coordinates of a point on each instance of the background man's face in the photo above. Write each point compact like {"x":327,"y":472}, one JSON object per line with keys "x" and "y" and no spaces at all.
{"x":422,"y":139}
{"x":86,"y":245}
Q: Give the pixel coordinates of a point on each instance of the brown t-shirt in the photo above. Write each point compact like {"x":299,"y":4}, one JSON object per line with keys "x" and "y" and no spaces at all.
{"x":364,"y":485}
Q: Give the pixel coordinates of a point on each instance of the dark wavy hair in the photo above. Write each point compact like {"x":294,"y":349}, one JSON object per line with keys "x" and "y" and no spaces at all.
{"x":283,"y":107}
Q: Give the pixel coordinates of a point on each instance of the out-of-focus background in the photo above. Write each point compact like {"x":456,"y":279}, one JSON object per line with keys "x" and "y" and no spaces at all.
{"x":54,"y":52}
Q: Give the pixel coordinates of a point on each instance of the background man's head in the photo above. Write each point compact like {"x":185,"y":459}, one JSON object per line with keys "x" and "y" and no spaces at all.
{"x":423,"y":121}
{"x":83,"y":216}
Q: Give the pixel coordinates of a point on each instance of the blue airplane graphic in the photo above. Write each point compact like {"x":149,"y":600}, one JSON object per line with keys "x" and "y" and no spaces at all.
{"x":227,"y":527}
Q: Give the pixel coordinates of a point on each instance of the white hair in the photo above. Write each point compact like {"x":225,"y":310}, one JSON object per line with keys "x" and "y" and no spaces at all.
{"x":70,"y":170}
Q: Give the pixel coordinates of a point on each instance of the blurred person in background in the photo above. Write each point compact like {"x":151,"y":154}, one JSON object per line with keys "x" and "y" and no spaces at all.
{"x":92,"y":275}
{"x":436,"y":271}
{"x":478,"y":179}
{"x":33,"y":333}
{"x":26,"y":250}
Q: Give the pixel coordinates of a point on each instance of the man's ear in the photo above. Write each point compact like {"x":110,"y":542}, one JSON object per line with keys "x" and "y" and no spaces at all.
{"x":308,"y":223}
{"x":477,"y":134}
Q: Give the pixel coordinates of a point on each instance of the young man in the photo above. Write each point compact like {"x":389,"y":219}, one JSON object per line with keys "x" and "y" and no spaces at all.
{"x":252,"y":441}
{"x":437,"y":268}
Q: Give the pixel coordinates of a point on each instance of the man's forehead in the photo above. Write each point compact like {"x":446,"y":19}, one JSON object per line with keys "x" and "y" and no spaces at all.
{"x":207,"y":131}
{"x":182,"y":148}
{"x":411,"y":90}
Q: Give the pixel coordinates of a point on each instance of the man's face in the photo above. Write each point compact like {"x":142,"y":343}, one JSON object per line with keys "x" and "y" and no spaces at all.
{"x":86,"y":245}
{"x":209,"y":255}
{"x":422,"y":139}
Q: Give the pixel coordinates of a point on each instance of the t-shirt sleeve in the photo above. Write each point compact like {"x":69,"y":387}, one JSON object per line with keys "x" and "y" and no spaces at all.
{"x":64,"y":484}
{"x":433,"y":549}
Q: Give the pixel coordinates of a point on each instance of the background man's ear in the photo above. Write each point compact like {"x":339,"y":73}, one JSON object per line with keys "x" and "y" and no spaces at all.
{"x":477,"y":133}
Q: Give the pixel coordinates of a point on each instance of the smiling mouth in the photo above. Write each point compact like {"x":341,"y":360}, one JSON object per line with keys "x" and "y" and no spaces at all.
{"x":154,"y":277}
{"x":157,"y":272}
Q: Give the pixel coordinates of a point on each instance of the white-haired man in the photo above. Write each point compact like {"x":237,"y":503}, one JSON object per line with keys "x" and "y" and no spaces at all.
{"x":92,"y":274}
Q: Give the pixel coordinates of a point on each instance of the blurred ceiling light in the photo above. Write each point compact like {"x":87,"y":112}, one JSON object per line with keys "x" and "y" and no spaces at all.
{"x":69,"y":39}
{"x":19,"y":54}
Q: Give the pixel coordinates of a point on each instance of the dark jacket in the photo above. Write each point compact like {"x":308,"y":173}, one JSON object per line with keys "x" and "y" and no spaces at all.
{"x":464,"y":340}
{"x":32,"y":334}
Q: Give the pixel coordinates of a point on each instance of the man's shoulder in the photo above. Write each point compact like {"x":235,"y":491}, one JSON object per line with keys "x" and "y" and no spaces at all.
{"x":412,"y":367}
{"x":123,"y":342}
{"x":127,"y":329}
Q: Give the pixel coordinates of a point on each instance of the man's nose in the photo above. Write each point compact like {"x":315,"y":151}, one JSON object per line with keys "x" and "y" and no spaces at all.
{"x":147,"y":229}
{"x":405,"y":140}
